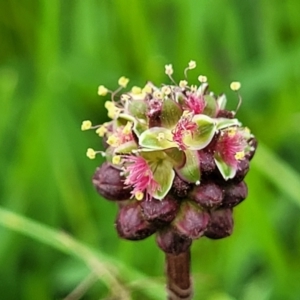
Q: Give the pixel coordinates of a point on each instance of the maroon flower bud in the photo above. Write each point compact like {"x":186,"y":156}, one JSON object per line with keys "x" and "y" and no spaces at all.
{"x":159,"y":212}
{"x":180,"y":188}
{"x":130,"y":223}
{"x":154,"y":113}
{"x":171,"y":242}
{"x":207,"y":195}
{"x":207,"y":162}
{"x":253,"y":143}
{"x":223,"y":113}
{"x":242,"y":170}
{"x":234,"y":194}
{"x":220,"y":225}
{"x":110,"y":184}
{"x":191,"y":221}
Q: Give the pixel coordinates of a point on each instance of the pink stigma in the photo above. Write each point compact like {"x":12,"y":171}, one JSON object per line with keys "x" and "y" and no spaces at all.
{"x":140,"y":176}
{"x":195,"y":104}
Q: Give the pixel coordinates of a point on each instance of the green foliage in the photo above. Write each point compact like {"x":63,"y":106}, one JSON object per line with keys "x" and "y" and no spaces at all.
{"x":53,"y":56}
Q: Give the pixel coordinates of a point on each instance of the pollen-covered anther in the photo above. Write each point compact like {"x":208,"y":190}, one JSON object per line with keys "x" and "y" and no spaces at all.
{"x":101,"y":131}
{"x":235,"y":85}
{"x":157,"y":95}
{"x":125,"y":97}
{"x":194,"y":88}
{"x":169,"y":69}
{"x":192,"y":64}
{"x":123,"y":81}
{"x":202,"y":78}
{"x":113,"y":140}
{"x":136,"y":90}
{"x":147,"y":89}
{"x":102,"y":90}
{"x":86,"y":125}
{"x":166,"y":90}
{"x":116,"y":159}
{"x":127,"y":128}
{"x":112,"y":109}
{"x":91,"y":153}
{"x":183,"y":83}
{"x":139,"y":195}
{"x":240,"y":155}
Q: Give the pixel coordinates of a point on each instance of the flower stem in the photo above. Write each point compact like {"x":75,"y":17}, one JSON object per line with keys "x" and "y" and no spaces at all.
{"x":178,"y":276}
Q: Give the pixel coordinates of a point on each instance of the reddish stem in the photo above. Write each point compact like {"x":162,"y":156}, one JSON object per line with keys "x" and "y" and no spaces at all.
{"x":178,"y":276}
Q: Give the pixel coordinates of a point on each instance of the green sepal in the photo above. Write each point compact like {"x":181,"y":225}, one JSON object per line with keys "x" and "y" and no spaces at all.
{"x":126,"y":148}
{"x":190,"y":172}
{"x":227,"y":171}
{"x":170,"y":113}
{"x":138,"y":109}
{"x":164,"y":174}
{"x":200,"y":138}
{"x":211,"y":106}
{"x":222,"y":101}
{"x":157,"y":138}
{"x":224,"y":123}
{"x":175,"y":156}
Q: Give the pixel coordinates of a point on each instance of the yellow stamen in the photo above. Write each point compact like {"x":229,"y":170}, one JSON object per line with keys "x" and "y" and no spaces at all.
{"x":202,"y":78}
{"x":101,"y":131}
{"x":193,"y":88}
{"x":102,"y":90}
{"x":166,"y":90}
{"x":157,"y":95}
{"x":86,"y":125}
{"x":231,"y":132}
{"x":91,"y":153}
{"x":139,"y":195}
{"x":192,"y":64}
{"x":160,"y":136}
{"x":116,"y":159}
{"x":235,"y":85}
{"x":183,"y":83}
{"x":147,"y":89}
{"x":113,"y":141}
{"x":169,"y":69}
{"x":136,"y":90}
{"x":123,"y":81}
{"x":239,"y":155}
{"x":127,"y":128}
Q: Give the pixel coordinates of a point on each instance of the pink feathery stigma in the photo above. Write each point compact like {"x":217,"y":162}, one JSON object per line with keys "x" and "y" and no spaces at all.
{"x":183,"y":127}
{"x":229,"y":144}
{"x":140,"y":176}
{"x":195,"y":104}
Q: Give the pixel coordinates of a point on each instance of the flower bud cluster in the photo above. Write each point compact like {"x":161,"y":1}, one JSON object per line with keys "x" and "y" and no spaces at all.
{"x":176,"y":160}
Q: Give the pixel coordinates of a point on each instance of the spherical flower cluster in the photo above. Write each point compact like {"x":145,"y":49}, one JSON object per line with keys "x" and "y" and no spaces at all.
{"x":175,"y":161}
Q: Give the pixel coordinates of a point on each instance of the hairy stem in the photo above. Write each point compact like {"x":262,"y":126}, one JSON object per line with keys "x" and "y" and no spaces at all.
{"x":178,"y":276}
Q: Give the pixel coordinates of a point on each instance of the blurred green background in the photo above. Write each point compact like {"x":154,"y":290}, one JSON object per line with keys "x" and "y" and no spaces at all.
{"x":53,"y":56}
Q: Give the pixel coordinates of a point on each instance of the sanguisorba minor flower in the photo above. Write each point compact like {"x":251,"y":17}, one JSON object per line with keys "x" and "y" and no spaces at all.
{"x":175,"y":160}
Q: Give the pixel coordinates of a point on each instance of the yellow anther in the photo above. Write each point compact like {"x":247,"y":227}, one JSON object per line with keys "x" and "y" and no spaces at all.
{"x":166,"y":90}
{"x":101,"y":131}
{"x":109,"y":105}
{"x":86,"y":125}
{"x":136,"y":90}
{"x":183,"y":83}
{"x":169,"y":69}
{"x":125,"y":97}
{"x":91,"y":153}
{"x":127,"y":128}
{"x":239,"y":155}
{"x":147,"y":89}
{"x":235,"y":85}
{"x":113,"y":141}
{"x":157,"y":95}
{"x":192,"y":64}
{"x":231,"y":132}
{"x":116,"y":159}
{"x":123,"y":81}
{"x":202,"y":78}
{"x":193,"y":88}
{"x":139,"y":195}
{"x":102,"y":90}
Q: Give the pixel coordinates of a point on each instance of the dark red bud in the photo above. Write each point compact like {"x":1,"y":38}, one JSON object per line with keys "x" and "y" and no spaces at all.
{"x":222,"y":113}
{"x":207,"y":162}
{"x":191,"y":221}
{"x":159,"y":212}
{"x":242,"y":170}
{"x":234,"y":194}
{"x":171,"y":242}
{"x":253,"y":143}
{"x":180,"y":188}
{"x":154,"y":113}
{"x":220,"y":225}
{"x":110,"y":184}
{"x":207,"y":195}
{"x":130,"y":223}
